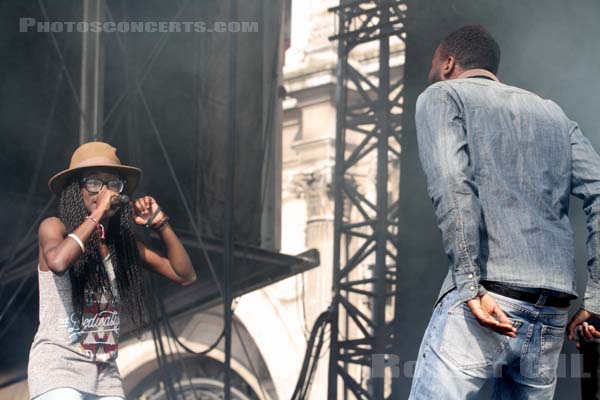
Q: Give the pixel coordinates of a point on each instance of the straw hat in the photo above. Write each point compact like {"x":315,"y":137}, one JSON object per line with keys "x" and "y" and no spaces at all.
{"x":96,"y":154}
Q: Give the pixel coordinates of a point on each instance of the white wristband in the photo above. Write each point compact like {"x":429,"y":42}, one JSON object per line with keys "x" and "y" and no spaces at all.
{"x":78,"y":241}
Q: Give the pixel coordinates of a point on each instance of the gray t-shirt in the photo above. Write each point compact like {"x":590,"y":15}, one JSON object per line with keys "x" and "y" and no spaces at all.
{"x":66,"y":354}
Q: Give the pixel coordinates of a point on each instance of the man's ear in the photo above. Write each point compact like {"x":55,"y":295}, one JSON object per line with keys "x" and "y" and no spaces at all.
{"x":448,"y":67}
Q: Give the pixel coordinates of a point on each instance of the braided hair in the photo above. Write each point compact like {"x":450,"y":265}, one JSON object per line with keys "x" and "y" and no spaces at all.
{"x":88,"y":269}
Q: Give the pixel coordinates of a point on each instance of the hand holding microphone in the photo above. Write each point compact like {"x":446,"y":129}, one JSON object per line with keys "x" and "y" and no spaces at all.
{"x":118,"y":200}
{"x":107,"y":202}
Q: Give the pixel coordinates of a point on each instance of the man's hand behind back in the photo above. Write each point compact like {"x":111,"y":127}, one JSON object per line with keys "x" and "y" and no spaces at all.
{"x":582,"y":324}
{"x":489,"y":314}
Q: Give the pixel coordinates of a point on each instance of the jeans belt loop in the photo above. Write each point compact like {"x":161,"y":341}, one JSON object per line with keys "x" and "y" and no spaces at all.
{"x":542,"y":299}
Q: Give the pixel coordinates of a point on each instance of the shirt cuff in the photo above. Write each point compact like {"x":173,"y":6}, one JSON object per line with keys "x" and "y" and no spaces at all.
{"x":468,"y":286}
{"x":591,"y":298}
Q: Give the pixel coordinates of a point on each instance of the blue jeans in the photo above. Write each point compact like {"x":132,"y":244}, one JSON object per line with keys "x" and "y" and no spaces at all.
{"x":458,"y":356}
{"x":72,"y":394}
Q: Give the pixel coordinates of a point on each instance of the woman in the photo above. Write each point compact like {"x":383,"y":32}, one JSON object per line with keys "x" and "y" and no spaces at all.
{"x":89,"y":269}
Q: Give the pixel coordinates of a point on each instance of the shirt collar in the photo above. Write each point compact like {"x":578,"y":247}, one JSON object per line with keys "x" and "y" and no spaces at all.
{"x":478,"y":72}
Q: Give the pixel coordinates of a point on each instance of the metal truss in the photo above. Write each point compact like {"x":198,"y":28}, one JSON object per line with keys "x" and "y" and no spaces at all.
{"x":366,"y":254}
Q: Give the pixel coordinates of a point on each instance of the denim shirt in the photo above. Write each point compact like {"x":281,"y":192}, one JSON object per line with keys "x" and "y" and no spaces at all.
{"x":501,"y":164}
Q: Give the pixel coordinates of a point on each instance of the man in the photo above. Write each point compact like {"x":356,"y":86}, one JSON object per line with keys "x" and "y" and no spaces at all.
{"x":501,"y":164}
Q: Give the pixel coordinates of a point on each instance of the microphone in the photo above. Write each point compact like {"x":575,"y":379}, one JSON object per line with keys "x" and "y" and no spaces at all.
{"x":118,"y":200}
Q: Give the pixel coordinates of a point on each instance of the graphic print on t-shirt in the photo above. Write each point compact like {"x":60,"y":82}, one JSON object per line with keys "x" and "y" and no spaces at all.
{"x":97,"y":337}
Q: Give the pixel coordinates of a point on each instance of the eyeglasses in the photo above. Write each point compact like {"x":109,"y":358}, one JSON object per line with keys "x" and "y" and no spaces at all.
{"x":94,"y":185}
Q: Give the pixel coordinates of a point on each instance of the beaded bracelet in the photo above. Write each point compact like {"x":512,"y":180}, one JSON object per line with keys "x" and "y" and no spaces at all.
{"x":98,"y":226}
{"x":160,"y":226}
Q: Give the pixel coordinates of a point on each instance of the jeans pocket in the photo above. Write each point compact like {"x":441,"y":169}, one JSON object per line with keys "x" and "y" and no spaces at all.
{"x":551,"y":342}
{"x":466,"y":343}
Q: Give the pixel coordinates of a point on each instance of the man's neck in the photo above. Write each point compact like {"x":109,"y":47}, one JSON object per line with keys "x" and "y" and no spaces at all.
{"x":477,"y":72}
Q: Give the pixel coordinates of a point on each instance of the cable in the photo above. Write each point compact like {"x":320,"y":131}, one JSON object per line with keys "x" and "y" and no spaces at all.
{"x":175,"y":355}
{"x":148,"y":63}
{"x":12,"y":298}
{"x":180,"y":190}
{"x":315,"y":362}
{"x":16,"y":313}
{"x":158,"y":344}
{"x":310,"y":362}
{"x":175,"y":337}
{"x":64,"y":65}
{"x":182,"y":345}
{"x":260,"y":385}
{"x":228,"y":219}
{"x":304,"y":304}
{"x":173,"y":359}
{"x":38,"y":166}
{"x":300,"y":309}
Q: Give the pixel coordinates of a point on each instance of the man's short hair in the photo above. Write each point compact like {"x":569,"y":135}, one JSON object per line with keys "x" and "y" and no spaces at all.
{"x":473,"y":47}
